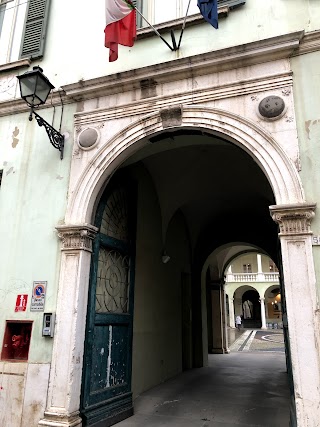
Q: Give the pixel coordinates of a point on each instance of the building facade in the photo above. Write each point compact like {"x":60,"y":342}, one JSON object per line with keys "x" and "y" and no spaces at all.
{"x":175,"y":162}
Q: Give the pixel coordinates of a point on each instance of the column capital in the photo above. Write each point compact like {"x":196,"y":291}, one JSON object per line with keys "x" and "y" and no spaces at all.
{"x":262,"y":299}
{"x":76,"y":237}
{"x":293,"y":220}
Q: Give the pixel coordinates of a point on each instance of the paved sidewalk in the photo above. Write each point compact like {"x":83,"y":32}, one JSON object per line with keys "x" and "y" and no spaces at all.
{"x":240,"y":389}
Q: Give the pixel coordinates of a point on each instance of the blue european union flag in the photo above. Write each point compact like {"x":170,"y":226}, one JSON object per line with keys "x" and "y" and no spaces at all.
{"x":209,"y":10}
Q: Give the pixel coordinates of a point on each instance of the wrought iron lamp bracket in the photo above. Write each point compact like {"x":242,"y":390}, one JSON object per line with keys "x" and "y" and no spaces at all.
{"x":55,"y":137}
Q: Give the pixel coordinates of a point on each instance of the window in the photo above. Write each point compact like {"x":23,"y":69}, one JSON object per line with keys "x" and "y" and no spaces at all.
{"x":272,"y":267}
{"x":231,"y":3}
{"x":2,"y":10}
{"x":247,"y":268}
{"x":12,"y":15}
{"x":22,"y":29}
{"x":177,"y":9}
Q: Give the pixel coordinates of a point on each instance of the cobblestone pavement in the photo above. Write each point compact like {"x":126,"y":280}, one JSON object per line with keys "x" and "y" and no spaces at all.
{"x":256,"y":340}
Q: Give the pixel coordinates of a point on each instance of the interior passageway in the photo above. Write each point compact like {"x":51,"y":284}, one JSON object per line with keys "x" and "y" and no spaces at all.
{"x":181,"y":209}
{"x":238,"y":389}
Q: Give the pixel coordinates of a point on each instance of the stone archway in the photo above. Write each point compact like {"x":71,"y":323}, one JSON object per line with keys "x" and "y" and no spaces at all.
{"x":87,"y":180}
{"x":260,"y":145}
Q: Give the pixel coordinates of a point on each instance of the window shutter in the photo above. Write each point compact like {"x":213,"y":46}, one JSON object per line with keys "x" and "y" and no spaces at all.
{"x":33,"y":38}
{"x":231,"y":3}
{"x":138,"y":4}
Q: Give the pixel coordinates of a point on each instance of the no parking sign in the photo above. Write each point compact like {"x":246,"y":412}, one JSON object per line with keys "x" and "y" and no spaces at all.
{"x":38,"y":296}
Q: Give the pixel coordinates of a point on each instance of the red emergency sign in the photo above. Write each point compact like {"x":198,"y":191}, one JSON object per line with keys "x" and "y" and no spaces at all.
{"x":21,"y":303}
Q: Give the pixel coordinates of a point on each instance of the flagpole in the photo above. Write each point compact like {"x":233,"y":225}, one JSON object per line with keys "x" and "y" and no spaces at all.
{"x":183,"y":25}
{"x":154,"y":29}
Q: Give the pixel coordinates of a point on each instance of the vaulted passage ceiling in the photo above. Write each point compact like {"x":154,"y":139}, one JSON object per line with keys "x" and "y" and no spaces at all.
{"x":221,"y":191}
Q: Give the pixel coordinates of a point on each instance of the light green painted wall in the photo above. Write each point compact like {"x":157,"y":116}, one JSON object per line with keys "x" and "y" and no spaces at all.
{"x":306,"y":71}
{"x":250,"y":258}
{"x":261,"y":287}
{"x":32,"y":202}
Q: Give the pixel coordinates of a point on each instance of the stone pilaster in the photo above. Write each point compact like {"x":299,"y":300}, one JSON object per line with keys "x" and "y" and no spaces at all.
{"x":263,"y":314}
{"x":231,"y":312}
{"x":224,"y":319}
{"x":303,"y":318}
{"x":66,"y":368}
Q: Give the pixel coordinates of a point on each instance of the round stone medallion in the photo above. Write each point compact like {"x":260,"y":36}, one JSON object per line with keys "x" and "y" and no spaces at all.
{"x":271,"y":107}
{"x":88,"y":138}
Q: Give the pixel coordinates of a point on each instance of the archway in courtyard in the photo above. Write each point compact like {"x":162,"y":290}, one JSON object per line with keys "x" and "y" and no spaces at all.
{"x":273,"y":302}
{"x":251,"y":311}
{"x":216,"y":175}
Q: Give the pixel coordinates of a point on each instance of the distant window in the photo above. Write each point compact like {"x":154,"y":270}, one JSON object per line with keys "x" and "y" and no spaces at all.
{"x":272,"y":267}
{"x":247,"y":268}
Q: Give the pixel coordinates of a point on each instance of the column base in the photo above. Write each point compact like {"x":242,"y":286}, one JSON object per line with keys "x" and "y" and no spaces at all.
{"x":52,"y":419}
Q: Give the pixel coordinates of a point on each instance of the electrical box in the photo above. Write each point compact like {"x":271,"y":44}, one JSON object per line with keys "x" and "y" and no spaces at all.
{"x":48,"y":324}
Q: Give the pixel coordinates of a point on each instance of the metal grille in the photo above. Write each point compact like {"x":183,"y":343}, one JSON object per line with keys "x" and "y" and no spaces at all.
{"x":115,"y":216}
{"x":112,"y":289}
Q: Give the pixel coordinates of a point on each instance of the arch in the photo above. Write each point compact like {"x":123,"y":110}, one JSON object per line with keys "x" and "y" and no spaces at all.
{"x":246,"y":288}
{"x":270,"y":288}
{"x":258,"y":143}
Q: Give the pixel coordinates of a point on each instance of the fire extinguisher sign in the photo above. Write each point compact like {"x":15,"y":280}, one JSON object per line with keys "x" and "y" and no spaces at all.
{"x":21,"y":303}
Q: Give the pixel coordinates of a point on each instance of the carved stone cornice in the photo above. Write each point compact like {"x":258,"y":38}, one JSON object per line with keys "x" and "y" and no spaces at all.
{"x":77,"y":237}
{"x":293,"y":220}
{"x":278,"y":82}
{"x":309,"y":43}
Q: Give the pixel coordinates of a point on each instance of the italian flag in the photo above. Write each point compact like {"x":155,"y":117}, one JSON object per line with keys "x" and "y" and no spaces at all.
{"x":121,"y":26}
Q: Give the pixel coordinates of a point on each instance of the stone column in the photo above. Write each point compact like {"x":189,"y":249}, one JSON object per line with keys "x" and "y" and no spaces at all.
{"x":66,"y":368}
{"x":263,"y":314}
{"x":260,"y":275}
{"x":224,"y":319}
{"x":230,"y":276}
{"x":231,"y":312}
{"x":303,"y":318}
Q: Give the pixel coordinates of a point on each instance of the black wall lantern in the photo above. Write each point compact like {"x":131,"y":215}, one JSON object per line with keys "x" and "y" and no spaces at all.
{"x":34,"y":89}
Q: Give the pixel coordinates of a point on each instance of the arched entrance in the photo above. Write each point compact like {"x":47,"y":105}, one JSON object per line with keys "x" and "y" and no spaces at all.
{"x":189,"y":167}
{"x":251,"y":312}
{"x":273,"y":302}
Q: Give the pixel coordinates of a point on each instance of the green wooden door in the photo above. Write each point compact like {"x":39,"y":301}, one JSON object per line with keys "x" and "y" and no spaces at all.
{"x":106,"y":389}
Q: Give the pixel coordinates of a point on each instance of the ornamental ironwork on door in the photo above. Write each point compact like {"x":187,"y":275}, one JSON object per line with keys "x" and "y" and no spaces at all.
{"x":106,"y":388}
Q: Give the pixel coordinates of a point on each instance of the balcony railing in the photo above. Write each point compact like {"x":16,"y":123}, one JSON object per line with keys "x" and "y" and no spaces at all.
{"x":252,"y":277}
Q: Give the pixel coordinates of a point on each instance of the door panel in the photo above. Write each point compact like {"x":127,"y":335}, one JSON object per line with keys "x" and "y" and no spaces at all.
{"x":106,"y":389}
